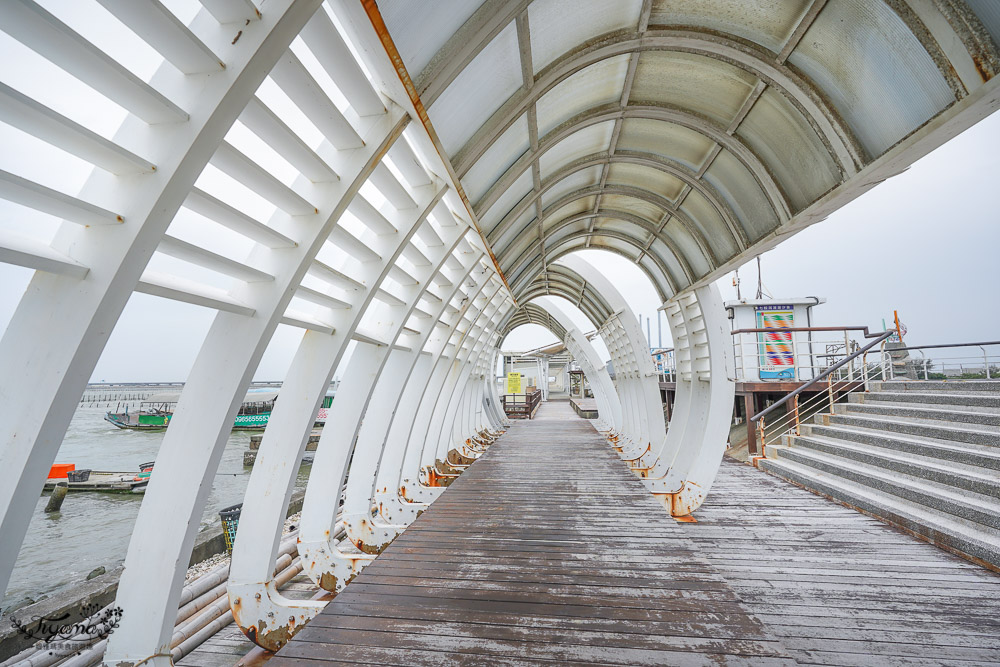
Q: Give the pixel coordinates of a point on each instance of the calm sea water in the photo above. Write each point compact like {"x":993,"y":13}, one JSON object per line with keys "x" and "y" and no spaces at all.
{"x":93,"y":529}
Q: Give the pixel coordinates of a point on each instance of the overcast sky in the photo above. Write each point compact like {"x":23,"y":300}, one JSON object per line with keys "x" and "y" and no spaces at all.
{"x":926,"y":242}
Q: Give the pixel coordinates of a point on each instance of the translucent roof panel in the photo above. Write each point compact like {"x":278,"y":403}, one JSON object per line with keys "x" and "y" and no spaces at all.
{"x":681,"y":238}
{"x":506,"y":201}
{"x":790,"y":148}
{"x":647,"y":178}
{"x":557,"y":26}
{"x":597,"y":84}
{"x":487,"y":82}
{"x":666,"y":140}
{"x":587,"y":141}
{"x":509,"y":146}
{"x":576,"y":181}
{"x":711,"y":223}
{"x":767,"y":22}
{"x":622,"y":226}
{"x":419,"y":35}
{"x":874,"y":70}
{"x":576,"y":207}
{"x":517,"y":235}
{"x":742,"y":193}
{"x":639,"y":207}
{"x":988,"y":12}
{"x":691,"y":82}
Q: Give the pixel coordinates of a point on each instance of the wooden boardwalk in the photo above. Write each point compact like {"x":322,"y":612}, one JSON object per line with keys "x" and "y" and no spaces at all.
{"x":549,"y":550}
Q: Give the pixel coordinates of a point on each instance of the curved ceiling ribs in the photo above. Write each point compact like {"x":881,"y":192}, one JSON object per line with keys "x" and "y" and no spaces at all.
{"x":539,"y":193}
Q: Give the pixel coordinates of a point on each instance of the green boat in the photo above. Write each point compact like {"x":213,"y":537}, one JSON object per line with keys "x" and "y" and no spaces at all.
{"x":155,"y":412}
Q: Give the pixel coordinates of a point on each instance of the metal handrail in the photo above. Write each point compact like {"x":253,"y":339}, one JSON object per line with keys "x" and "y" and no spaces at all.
{"x":822,"y":376}
{"x":865,"y":331}
{"x":928,"y":347}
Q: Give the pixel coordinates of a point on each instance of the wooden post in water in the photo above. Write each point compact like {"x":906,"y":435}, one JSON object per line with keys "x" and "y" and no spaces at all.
{"x":57,"y":497}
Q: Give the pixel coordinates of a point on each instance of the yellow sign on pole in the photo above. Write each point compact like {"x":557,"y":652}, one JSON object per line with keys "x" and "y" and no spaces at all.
{"x":513,"y":383}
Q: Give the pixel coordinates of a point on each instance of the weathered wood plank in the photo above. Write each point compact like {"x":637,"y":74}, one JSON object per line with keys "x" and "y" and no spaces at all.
{"x":548,"y":550}
{"x":515,"y":562}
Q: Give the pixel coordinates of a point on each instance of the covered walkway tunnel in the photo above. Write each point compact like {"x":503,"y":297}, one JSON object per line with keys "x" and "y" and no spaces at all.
{"x":424,"y":172}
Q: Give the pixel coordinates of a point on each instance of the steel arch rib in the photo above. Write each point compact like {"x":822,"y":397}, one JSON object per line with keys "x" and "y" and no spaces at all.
{"x":395,"y":507}
{"x":309,"y":377}
{"x":649,"y":227}
{"x":610,"y":112}
{"x":211,"y":397}
{"x":659,"y":163}
{"x":826,"y":122}
{"x":527,"y":269}
{"x":80,"y":314}
{"x":644,"y":225}
{"x":584,"y":351}
{"x":643,"y":391}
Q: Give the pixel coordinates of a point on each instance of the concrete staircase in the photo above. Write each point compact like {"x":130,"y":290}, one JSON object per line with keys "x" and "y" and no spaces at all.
{"x":924,"y":456}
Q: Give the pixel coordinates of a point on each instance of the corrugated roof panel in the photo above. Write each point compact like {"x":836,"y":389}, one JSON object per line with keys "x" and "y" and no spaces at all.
{"x":666,"y":140}
{"x":582,"y":205}
{"x":674,"y":270}
{"x":647,"y":178}
{"x":681,"y":238}
{"x":691,"y":82}
{"x":790,"y":148}
{"x":874,"y":70}
{"x":988,"y":12}
{"x":593,"y":139}
{"x":600,"y":83}
{"x":420,"y":29}
{"x":558,"y":26}
{"x":767,"y":22}
{"x":486,"y":83}
{"x":513,"y":236}
{"x":633,"y":205}
{"x":515,"y":193}
{"x":579,"y":180}
{"x":744,"y":195}
{"x":509,"y":146}
{"x":713,"y":227}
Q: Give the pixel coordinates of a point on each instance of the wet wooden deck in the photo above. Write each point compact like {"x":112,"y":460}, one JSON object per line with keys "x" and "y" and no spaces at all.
{"x":549,"y":550}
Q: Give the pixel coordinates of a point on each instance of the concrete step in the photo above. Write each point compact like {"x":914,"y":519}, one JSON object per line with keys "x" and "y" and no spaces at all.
{"x":937,"y":413}
{"x":980,"y":435}
{"x":977,"y":456}
{"x":938,"y":385}
{"x":941,"y":529}
{"x":981,"y":401}
{"x":943,"y":473}
{"x":974,"y":510}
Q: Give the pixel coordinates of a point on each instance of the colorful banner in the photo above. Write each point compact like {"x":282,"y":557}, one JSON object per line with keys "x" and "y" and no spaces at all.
{"x":777,"y":356}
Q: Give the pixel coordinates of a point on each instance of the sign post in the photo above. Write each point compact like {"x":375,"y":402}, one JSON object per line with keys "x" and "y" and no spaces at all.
{"x":513,"y":383}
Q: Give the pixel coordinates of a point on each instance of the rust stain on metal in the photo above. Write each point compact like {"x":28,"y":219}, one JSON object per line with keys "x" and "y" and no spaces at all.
{"x":686,"y":518}
{"x":328,"y":582}
{"x":378,"y":23}
{"x":237,"y":38}
{"x":270,"y":640}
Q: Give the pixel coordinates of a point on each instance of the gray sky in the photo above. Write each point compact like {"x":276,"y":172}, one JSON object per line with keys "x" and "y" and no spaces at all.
{"x":926,"y":242}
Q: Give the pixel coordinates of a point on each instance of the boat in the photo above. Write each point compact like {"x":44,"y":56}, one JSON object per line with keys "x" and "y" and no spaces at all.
{"x":155,"y":413}
{"x":101,"y":481}
{"x":324,"y":409}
